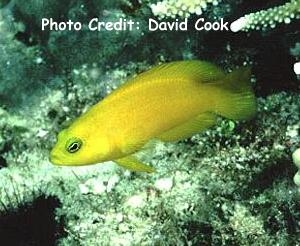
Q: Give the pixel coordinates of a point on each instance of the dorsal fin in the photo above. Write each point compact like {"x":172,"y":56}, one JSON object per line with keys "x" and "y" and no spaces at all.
{"x":200,"y":71}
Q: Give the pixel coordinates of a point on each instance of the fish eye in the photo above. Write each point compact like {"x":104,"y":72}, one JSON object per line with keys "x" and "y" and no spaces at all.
{"x":73,"y":145}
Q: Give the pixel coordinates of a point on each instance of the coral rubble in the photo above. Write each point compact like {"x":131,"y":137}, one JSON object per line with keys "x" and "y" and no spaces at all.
{"x":230,"y":185}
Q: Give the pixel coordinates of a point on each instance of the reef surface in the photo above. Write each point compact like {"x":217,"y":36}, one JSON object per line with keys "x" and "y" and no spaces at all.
{"x":230,"y":185}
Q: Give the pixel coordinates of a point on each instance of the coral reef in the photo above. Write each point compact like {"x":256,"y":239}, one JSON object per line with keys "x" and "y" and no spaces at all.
{"x":230,"y":185}
{"x":268,"y":18}
{"x":104,"y":203}
{"x":182,"y":8}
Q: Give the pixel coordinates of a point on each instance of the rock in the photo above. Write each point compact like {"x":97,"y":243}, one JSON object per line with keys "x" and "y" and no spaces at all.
{"x":164,"y":184}
{"x":296,"y":157}
{"x":136,"y":201}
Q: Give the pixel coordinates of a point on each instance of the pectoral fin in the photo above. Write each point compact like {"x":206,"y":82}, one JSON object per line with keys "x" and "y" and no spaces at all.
{"x":134,"y":143}
{"x":190,"y":128}
{"x":133,"y":164}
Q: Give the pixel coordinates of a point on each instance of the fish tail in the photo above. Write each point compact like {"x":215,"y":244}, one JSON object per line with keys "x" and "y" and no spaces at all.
{"x":236,"y":100}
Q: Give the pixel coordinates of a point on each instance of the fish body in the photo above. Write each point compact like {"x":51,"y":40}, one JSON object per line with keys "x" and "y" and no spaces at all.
{"x":169,"y":102}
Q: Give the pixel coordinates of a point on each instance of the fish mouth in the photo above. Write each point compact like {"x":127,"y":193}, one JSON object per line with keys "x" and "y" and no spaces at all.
{"x":54,"y":159}
{"x":57,"y":161}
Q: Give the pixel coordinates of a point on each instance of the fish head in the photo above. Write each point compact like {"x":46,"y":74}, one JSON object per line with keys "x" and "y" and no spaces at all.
{"x":77,"y":147}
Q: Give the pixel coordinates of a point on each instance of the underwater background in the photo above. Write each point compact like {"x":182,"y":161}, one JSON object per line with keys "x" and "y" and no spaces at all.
{"x":234,"y":184}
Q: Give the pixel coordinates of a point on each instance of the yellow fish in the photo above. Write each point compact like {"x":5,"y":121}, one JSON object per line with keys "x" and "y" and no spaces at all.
{"x":169,"y":102}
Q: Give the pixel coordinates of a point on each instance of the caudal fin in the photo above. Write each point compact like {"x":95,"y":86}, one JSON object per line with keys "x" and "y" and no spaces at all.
{"x":236,"y":99}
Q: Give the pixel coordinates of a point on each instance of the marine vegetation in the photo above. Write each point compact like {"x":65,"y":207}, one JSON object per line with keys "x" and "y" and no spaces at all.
{"x":234,"y":183}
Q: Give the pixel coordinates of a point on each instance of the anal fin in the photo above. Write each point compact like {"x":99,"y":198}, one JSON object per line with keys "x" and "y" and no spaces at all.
{"x":190,"y":128}
{"x":133,"y":164}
